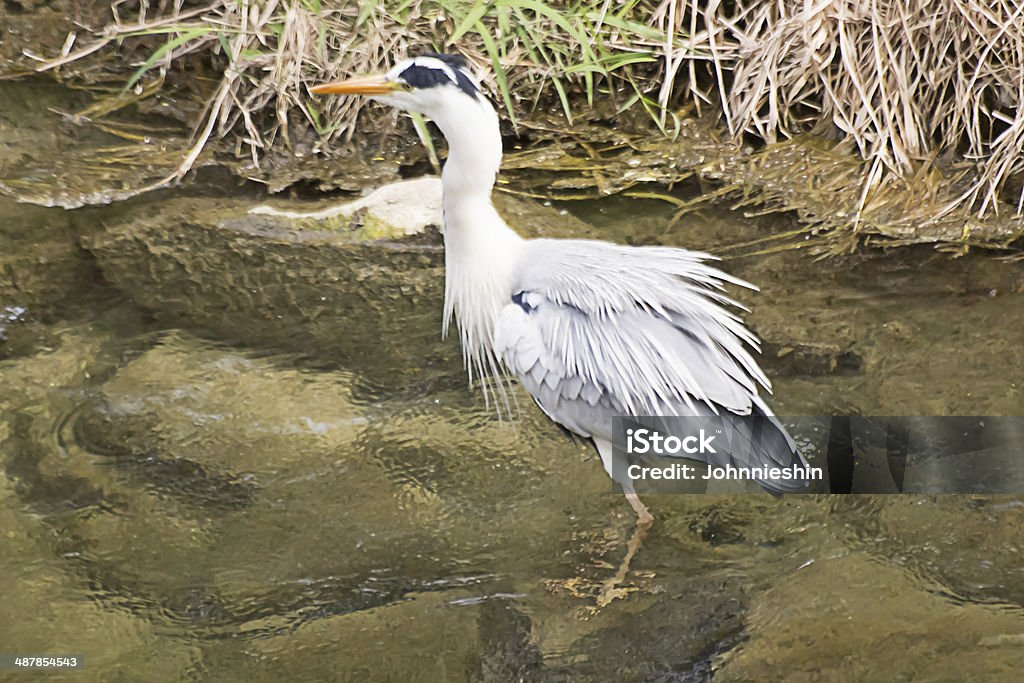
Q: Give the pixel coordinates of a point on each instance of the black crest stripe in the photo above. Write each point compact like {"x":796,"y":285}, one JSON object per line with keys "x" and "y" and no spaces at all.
{"x":421,"y":76}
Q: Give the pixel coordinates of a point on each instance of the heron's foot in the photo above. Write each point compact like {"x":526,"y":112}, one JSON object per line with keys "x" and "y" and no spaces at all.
{"x":612,"y":589}
{"x":610,"y":592}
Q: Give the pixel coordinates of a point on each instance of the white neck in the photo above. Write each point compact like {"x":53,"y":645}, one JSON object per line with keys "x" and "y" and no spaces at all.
{"x":480,"y":249}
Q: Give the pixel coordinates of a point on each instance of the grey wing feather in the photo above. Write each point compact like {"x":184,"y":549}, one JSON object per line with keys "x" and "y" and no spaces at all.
{"x":597,"y":329}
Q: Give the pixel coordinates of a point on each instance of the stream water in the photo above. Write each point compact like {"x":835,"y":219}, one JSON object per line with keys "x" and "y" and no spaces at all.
{"x":183,"y":502}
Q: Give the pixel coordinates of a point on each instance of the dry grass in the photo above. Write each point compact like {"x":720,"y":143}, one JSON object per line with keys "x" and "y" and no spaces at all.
{"x":908,"y":81}
{"x":923,"y":89}
{"x":267,"y":52}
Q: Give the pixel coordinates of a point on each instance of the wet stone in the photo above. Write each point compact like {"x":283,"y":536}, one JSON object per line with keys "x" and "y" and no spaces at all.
{"x":41,"y":264}
{"x":361,"y":286}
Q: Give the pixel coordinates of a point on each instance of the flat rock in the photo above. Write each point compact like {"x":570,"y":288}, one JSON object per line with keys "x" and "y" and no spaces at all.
{"x":360,"y":284}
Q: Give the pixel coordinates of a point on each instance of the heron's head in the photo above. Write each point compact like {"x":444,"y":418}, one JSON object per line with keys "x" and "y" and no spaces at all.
{"x":429,"y":84}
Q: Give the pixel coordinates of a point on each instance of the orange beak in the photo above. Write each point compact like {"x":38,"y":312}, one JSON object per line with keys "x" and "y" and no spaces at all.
{"x":363,"y":85}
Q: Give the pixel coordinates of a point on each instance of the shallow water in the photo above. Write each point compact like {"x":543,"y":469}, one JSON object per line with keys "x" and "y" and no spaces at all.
{"x":177,"y":502}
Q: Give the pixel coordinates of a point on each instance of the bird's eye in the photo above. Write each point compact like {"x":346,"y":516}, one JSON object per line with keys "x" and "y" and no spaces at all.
{"x":404,"y":86}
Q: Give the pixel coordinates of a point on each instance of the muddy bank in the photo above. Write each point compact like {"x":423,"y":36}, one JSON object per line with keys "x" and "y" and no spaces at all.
{"x":815,"y":178}
{"x":64,"y":148}
{"x":56,"y":152}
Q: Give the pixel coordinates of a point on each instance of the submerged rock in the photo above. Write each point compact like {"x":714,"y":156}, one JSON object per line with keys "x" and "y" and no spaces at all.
{"x":273,"y":517}
{"x":847,"y":617}
{"x":238,"y":494}
{"x":359,"y":284}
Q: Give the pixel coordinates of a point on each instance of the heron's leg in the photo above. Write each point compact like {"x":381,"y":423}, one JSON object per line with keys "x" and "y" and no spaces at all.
{"x":611,"y":589}
{"x":643,"y":515}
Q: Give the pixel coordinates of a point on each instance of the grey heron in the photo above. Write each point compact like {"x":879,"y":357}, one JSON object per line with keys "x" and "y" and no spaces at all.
{"x":591,"y":329}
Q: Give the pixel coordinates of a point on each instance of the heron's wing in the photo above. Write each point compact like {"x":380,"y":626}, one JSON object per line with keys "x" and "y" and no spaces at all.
{"x":595,"y":330}
{"x":643,"y":327}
